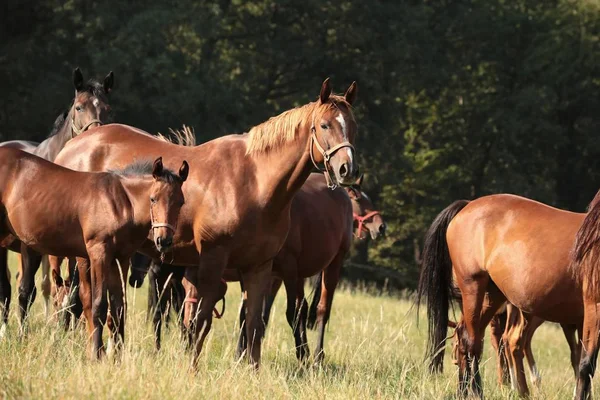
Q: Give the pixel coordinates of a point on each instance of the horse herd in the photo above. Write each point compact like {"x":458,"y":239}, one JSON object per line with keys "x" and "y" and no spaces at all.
{"x":243,"y":207}
{"x":247,"y":208}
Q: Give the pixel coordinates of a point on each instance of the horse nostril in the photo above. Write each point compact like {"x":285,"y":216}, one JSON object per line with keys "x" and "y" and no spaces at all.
{"x":167,"y":242}
{"x":344,"y":170}
{"x":158,"y":240}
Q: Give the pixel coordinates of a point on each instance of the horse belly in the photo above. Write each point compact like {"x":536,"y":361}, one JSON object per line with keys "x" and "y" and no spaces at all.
{"x":544,"y":289}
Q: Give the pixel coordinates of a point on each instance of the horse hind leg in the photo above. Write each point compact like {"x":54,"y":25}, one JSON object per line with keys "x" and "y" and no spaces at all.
{"x":478,"y":310}
{"x":515,"y":343}
{"x":27,"y":292}
{"x":46,"y":285}
{"x":574,"y":346}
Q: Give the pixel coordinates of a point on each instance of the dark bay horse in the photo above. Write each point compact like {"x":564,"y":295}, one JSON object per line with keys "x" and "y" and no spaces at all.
{"x":495,"y":249}
{"x":90,"y":108}
{"x":238,"y":196}
{"x":320,"y":236}
{"x":101,"y":217}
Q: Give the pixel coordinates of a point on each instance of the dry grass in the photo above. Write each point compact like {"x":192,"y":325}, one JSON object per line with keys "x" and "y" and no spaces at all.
{"x":373,"y":350}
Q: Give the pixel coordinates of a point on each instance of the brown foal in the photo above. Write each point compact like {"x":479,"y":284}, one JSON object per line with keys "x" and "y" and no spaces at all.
{"x":100,"y":217}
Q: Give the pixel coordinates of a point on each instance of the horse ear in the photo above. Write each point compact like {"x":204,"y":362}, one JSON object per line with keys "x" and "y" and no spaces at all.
{"x":351,"y":193}
{"x":157,"y":168}
{"x":351,"y":93}
{"x":109,"y":82}
{"x":184,"y":171}
{"x":325,"y":91}
{"x":359,"y":181}
{"x":77,"y":79}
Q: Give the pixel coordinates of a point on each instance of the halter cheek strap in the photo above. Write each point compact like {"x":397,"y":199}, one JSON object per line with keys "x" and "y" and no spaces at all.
{"x":361,"y":220}
{"x":327,"y":154}
{"x":78,"y":131}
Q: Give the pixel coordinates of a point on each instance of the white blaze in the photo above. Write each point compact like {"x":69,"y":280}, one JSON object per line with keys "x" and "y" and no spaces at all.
{"x":340,"y":119}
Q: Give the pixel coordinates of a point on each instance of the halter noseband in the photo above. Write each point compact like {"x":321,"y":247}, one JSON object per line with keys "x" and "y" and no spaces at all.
{"x":79,"y":131}
{"x":327,"y":154}
{"x":156,"y":225}
{"x":361,"y":220}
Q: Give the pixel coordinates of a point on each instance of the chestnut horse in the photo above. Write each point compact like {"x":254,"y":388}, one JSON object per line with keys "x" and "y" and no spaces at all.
{"x":237,"y":213}
{"x":90,"y":108}
{"x":585,"y":269}
{"x":109,"y":215}
{"x":496,"y":248}
{"x":319,"y":239}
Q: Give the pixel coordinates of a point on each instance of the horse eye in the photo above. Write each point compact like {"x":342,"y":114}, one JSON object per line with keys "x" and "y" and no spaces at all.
{"x":79,"y":109}
{"x":152,"y":200}
{"x":324,"y":126}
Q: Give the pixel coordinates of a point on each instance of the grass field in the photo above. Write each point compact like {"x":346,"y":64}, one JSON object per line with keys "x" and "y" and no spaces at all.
{"x":374,"y":349}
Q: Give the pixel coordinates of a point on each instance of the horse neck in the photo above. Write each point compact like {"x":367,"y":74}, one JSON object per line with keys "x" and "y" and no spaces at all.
{"x":50,"y":147}
{"x":283,"y":171}
{"x":138,"y":192}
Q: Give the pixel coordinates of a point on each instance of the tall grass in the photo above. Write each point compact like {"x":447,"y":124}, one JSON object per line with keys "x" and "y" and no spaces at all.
{"x":373,"y":350}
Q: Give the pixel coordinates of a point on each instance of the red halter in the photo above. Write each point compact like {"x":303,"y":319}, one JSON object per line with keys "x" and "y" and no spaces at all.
{"x":361,"y":220}
{"x":218,"y":315}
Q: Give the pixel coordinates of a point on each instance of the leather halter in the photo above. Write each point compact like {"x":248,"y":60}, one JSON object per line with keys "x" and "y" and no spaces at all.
{"x":156,"y":225}
{"x":78,"y":131}
{"x":327,"y":154}
{"x":361,"y":220}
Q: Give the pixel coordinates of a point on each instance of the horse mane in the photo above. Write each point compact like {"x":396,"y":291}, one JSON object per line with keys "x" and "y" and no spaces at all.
{"x":585,"y":254}
{"x":92,"y":87}
{"x":182,"y":137}
{"x":145,"y":167}
{"x":281,"y":129}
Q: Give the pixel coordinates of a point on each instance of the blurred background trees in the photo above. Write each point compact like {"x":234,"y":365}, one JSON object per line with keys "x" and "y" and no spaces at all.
{"x":457,"y":99}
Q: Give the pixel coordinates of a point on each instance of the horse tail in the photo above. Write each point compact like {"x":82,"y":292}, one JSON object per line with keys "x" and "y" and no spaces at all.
{"x":585,"y":255}
{"x":435,"y":283}
{"x":317,"y":281}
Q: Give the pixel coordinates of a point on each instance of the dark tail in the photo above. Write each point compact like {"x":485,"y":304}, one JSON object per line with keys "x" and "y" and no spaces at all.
{"x":312,"y":311}
{"x":435,"y":283}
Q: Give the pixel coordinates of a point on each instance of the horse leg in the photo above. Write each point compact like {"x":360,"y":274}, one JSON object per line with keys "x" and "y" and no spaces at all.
{"x":497,"y":327}
{"x":160,"y":283}
{"x":100,"y":263}
{"x":27,"y":292}
{"x":331,"y":277}
{"x":516,"y":338}
{"x":477,"y":313}
{"x":85,"y":292}
{"x":589,"y":352}
{"x":74,"y":301}
{"x":203,"y":286}
{"x":533,"y":323}
{"x":270,"y":298}
{"x":46,"y":285}
{"x":242,"y":344}
{"x":256,"y":282}
{"x":569,"y":331}
{"x":5,"y":289}
{"x":317,"y":284}
{"x":116,"y":285}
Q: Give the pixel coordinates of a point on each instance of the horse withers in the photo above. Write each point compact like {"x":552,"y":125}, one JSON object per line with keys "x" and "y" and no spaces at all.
{"x":101,"y":218}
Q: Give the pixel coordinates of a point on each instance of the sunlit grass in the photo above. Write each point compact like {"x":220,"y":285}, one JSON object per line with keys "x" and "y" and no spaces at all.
{"x":374,"y":349}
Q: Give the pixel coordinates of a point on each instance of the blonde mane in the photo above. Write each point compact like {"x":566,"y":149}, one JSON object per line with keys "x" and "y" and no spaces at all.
{"x":183,"y":137}
{"x":283,"y":128}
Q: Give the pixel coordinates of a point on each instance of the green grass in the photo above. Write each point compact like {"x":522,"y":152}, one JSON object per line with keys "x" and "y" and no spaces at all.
{"x":374,"y":349}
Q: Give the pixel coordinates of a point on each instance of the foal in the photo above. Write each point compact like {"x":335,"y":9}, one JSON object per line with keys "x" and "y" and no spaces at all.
{"x":109,"y":213}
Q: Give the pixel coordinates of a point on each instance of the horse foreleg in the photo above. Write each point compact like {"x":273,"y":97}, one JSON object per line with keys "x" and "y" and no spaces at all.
{"x":257,"y":284}
{"x":100,"y":263}
{"x":574,"y":347}
{"x":27,"y":292}
{"x":46,"y":285}
{"x":117,"y":276}
{"x":242,"y":344}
